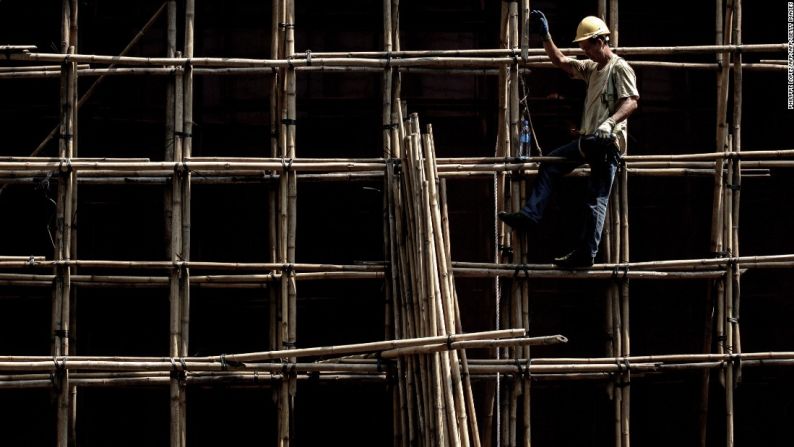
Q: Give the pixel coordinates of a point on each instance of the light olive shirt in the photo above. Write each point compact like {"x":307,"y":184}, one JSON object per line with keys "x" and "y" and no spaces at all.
{"x":605,"y":88}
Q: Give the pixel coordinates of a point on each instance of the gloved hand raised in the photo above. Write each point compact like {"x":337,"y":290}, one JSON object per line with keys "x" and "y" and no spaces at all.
{"x":604,"y":131}
{"x":538,"y":24}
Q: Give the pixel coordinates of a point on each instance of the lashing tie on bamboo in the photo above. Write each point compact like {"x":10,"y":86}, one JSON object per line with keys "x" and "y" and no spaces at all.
{"x":183,"y":134}
{"x":388,"y":60}
{"x":624,"y":370}
{"x":286,"y":163}
{"x":521,"y":268}
{"x":379,"y":362}
{"x":59,"y":370}
{"x":308,"y":58}
{"x":506,"y":250}
{"x":285,"y":25}
{"x":31,"y":261}
{"x":287,"y":269}
{"x":523,"y":371}
{"x":65,"y":164}
{"x":178,"y":370}
{"x":616,"y":273}
{"x":226,"y":363}
{"x":61,"y":333}
{"x":450,"y":340}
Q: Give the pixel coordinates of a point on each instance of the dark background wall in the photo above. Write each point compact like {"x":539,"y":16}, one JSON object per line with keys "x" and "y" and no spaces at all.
{"x":339,"y":116}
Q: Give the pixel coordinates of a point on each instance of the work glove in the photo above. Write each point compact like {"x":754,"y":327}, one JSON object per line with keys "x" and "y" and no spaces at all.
{"x":538,"y":24}
{"x":604,"y":131}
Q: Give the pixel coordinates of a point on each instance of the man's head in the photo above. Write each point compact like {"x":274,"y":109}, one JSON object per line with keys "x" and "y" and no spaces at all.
{"x":592,"y":35}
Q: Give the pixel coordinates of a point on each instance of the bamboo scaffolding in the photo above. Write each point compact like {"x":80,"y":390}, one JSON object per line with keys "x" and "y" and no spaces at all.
{"x":434,"y":397}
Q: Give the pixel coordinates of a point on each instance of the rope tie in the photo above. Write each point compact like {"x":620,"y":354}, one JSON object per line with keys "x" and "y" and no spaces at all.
{"x":286,"y":164}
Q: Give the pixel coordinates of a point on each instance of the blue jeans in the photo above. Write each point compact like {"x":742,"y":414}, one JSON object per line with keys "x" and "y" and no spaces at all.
{"x":603,"y":161}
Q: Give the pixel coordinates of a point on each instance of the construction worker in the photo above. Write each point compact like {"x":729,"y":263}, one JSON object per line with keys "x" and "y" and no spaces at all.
{"x":611,"y":97}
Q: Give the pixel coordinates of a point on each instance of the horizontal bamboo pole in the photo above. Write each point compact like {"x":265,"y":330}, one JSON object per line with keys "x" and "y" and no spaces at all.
{"x":219,"y":167}
{"x":516,"y":52}
{"x":193,"y":365}
{"x":376,"y":59}
{"x":420,"y":70}
{"x":535,"y":341}
{"x":40,"y":261}
{"x":374,"y":346}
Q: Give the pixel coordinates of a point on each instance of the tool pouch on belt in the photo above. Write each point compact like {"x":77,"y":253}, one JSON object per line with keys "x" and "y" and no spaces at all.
{"x":599,"y":150}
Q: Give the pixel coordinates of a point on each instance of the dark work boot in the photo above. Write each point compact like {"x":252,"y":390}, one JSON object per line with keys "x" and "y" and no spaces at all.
{"x":574,"y":259}
{"x":519,"y":221}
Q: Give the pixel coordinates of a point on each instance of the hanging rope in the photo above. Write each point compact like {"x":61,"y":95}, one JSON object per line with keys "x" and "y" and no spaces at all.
{"x":525,"y":104}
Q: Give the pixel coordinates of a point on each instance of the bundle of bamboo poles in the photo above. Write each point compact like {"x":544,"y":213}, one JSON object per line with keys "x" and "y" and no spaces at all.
{"x":436,"y":404}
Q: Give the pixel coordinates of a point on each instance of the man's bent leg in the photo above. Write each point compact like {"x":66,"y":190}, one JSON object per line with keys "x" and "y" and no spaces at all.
{"x":548,"y":178}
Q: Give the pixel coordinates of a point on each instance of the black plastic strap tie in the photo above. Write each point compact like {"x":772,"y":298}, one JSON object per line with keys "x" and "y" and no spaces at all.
{"x":733,"y":187}
{"x":390,"y":126}
{"x":65,"y":165}
{"x":449,"y":342}
{"x":521,"y":268}
{"x":308,"y":58}
{"x":31,"y":261}
{"x":288,"y":269}
{"x":288,"y":344}
{"x":379,"y":362}
{"x":288,"y":121}
{"x":61,"y":333}
{"x":286,"y":164}
{"x":388,"y":59}
{"x":65,"y":136}
{"x":721,"y":254}
{"x":183,"y":134}
{"x":506,"y":250}
{"x":521,"y":373}
{"x":616,"y":276}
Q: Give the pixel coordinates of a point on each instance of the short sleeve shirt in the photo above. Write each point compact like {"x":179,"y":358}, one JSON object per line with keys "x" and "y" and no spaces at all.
{"x":605,"y":88}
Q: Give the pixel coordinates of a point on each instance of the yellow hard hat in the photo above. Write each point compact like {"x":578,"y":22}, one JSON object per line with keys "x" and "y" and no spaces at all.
{"x":589,"y":27}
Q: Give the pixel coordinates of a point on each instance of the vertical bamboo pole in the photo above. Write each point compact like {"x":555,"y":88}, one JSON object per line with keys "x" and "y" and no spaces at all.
{"x":169,"y":119}
{"x":289,"y":50}
{"x":275,"y":127}
{"x":731,"y":322}
{"x":501,"y":235}
{"x":72,"y":216}
{"x":63,"y":238}
{"x":475,"y":433}
{"x":736,"y":179}
{"x":447,"y":287}
{"x":613,"y":22}
{"x":602,"y":9}
{"x":624,"y":307}
{"x":187,"y":146}
{"x":714,"y":287}
{"x":390,"y":308}
{"x":175,"y":307}
{"x":614,"y":300}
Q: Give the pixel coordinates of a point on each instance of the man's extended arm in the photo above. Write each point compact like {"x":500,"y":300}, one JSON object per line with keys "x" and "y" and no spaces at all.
{"x":539,"y":25}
